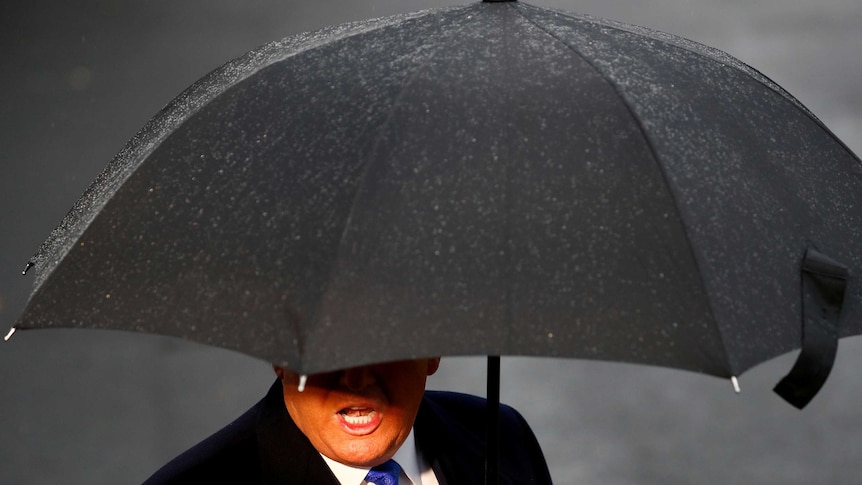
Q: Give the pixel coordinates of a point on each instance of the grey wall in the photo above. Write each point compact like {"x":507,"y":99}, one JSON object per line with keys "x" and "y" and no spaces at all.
{"x":78,"y":78}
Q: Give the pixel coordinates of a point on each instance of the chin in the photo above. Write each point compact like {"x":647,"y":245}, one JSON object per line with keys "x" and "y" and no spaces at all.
{"x":365,"y":454}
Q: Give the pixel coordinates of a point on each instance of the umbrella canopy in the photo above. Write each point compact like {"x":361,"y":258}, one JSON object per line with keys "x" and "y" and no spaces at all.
{"x":488,"y":179}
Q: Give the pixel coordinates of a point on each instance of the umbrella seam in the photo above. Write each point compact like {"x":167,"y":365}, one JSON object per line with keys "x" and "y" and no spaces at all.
{"x":713,"y":53}
{"x":508,"y":140}
{"x":179,"y":110}
{"x":365,"y":165}
{"x":630,"y":108}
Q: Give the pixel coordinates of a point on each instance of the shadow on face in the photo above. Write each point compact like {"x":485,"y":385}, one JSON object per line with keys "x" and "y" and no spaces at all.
{"x":358,"y":416}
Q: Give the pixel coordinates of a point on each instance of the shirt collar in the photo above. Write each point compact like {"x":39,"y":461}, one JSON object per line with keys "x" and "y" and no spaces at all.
{"x":406,"y":456}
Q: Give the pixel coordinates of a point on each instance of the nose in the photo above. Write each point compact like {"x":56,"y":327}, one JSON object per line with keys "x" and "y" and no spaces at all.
{"x":357,"y":378}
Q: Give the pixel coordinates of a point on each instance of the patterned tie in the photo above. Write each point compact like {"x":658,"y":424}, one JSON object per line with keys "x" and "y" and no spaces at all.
{"x":384,"y":474}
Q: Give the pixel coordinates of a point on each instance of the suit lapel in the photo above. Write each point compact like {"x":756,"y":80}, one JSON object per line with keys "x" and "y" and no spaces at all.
{"x":455,"y":454}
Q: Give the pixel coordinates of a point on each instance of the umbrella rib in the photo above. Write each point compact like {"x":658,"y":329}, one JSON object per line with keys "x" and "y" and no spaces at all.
{"x":717,"y":55}
{"x":365,"y":166}
{"x":180,"y":109}
{"x":507,"y":146}
{"x":665,"y":178}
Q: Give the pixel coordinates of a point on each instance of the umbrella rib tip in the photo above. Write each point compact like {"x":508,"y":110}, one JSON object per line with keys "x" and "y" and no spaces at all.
{"x":9,"y":335}
{"x":735,"y":382}
{"x":301,"y":386}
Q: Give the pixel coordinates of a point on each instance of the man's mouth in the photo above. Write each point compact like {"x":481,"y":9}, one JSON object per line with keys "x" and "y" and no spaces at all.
{"x":358,"y":416}
{"x":359,"y":420}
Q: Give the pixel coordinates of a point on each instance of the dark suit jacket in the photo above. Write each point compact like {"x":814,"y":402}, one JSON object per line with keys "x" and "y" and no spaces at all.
{"x":264,"y":446}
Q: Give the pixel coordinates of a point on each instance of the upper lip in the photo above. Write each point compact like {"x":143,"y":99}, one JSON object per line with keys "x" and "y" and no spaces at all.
{"x":357,"y":408}
{"x":360,"y":405}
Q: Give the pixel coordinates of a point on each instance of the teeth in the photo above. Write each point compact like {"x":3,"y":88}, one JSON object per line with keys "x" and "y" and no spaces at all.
{"x":358,"y":416}
{"x":357,"y":420}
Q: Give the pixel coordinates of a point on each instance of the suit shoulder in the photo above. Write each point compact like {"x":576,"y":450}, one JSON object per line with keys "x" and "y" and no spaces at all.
{"x":469,"y":408}
{"x":231,"y":451}
{"x":451,"y":420}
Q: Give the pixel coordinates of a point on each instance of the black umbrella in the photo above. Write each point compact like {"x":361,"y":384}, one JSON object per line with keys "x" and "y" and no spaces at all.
{"x":488,"y":179}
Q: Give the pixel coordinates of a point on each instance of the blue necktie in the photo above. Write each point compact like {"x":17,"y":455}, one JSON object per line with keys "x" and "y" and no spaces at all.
{"x":384,"y":474}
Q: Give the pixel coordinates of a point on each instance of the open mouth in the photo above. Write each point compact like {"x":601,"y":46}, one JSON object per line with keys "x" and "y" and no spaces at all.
{"x":358,"y":416}
{"x":359,"y":420}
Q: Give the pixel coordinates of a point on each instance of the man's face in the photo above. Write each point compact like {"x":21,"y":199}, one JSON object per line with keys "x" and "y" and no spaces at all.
{"x":358,"y":416}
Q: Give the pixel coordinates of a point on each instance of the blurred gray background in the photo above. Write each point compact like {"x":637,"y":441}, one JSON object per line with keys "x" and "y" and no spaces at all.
{"x":79,"y":78}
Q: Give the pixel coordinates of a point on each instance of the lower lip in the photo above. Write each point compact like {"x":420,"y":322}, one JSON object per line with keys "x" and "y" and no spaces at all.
{"x":360,"y":429}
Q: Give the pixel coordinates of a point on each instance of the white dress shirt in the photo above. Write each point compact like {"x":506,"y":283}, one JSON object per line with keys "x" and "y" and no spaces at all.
{"x":414,"y":470}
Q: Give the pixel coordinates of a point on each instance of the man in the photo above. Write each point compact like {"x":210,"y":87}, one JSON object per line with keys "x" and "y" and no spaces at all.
{"x":332,"y":429}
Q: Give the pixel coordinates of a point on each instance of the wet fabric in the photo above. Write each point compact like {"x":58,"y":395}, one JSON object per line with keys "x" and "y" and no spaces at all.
{"x":489,"y":179}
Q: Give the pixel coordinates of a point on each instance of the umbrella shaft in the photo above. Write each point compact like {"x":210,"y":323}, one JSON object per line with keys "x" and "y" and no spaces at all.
{"x":492,"y":440}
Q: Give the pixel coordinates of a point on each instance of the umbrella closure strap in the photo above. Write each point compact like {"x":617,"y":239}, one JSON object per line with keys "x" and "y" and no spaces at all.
{"x":824,"y":282}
